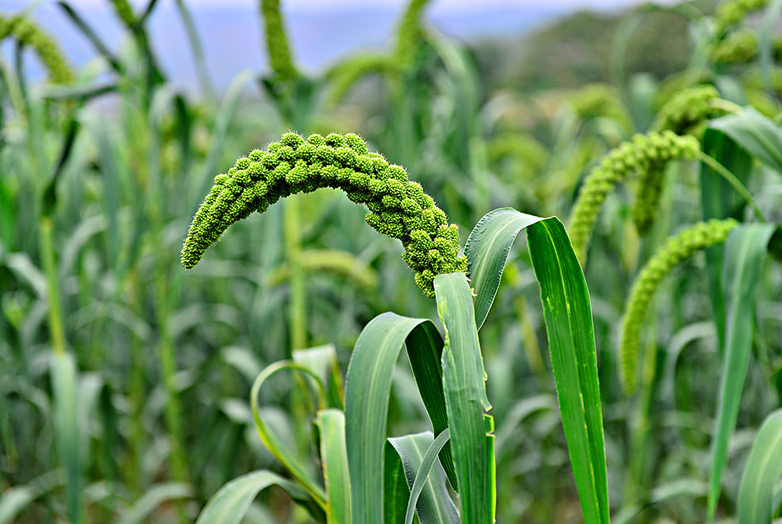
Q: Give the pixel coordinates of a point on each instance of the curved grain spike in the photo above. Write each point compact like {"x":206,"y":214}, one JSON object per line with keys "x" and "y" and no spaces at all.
{"x":730,"y":14}
{"x":399,"y":207}
{"x":688,"y":109}
{"x":742,"y":46}
{"x":277,"y":46}
{"x":677,"y":249}
{"x":27,"y":33}
{"x":409,"y":33}
{"x":643,"y":154}
{"x":343,"y":76}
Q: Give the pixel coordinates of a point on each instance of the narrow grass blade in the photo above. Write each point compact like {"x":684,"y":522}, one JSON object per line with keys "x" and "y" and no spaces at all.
{"x":66,"y":430}
{"x":762,"y":472}
{"x":367,"y":392}
{"x":426,"y":479}
{"x":754,"y":132}
{"x":334,"y":456}
{"x":745,"y":251}
{"x":15,"y":499}
{"x":274,"y":444}
{"x":487,"y":250}
{"x":153,"y":498}
{"x":231,"y":503}
{"x":719,"y":201}
{"x":395,"y":488}
{"x":419,"y":457}
{"x":464,"y":384}
{"x":322,"y":360}
{"x":568,"y":318}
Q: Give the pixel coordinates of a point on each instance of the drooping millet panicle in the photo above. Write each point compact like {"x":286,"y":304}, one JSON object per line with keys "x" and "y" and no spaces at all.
{"x":277,"y":46}
{"x":729,"y":14}
{"x":742,"y":46}
{"x":676,"y":249}
{"x":343,"y":76}
{"x":409,"y":33}
{"x":399,"y":207}
{"x":689,"y":108}
{"x":27,"y":33}
{"x":599,"y":100}
{"x":644,"y":153}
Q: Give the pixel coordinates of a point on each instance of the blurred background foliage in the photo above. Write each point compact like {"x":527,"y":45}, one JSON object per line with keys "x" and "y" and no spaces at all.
{"x":142,"y":413}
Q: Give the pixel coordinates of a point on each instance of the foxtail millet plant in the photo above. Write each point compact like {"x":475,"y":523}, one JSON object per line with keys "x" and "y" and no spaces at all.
{"x":27,"y":33}
{"x":677,"y":249}
{"x":642,"y":155}
{"x":399,"y":207}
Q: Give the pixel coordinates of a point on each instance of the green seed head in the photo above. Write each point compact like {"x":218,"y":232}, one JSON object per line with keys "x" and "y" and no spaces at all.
{"x":731,"y":13}
{"x":677,"y":249}
{"x":277,"y":45}
{"x":687,"y":109}
{"x":399,"y":207}
{"x":27,"y":33}
{"x":644,"y":155}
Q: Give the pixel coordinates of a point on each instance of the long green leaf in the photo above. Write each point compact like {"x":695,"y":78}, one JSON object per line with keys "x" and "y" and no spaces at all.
{"x":568,"y":318}
{"x":231,"y":503}
{"x":367,"y":392}
{"x":719,"y":201}
{"x":154,"y":497}
{"x":426,"y":478}
{"x":464,"y":381}
{"x":273,"y":443}
{"x":395,"y":488}
{"x":754,"y":132}
{"x":66,"y":424}
{"x":333,"y":454}
{"x":745,"y":250}
{"x":763,"y":469}
{"x":424,"y":349}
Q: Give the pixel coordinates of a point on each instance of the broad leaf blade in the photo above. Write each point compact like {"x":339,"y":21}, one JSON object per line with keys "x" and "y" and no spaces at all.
{"x":464,"y":383}
{"x":744,"y":251}
{"x":568,"y":316}
{"x":763,"y":469}
{"x":424,"y":349}
{"x":367,"y":392}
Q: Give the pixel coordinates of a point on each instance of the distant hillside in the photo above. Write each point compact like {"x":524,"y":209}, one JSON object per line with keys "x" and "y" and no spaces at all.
{"x":575,"y":49}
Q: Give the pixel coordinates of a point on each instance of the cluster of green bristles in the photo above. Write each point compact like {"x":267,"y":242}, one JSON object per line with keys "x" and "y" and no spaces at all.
{"x":27,"y":33}
{"x":676,"y":250}
{"x":644,"y":155}
{"x":399,"y":207}
{"x":688,"y":109}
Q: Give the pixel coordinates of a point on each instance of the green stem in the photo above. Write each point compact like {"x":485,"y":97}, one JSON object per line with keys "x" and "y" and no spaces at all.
{"x":50,"y":267}
{"x":733,"y":181}
{"x":298,"y":294}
